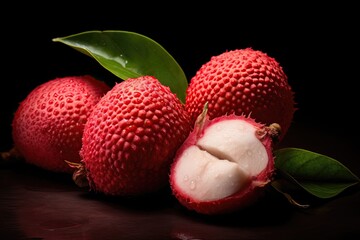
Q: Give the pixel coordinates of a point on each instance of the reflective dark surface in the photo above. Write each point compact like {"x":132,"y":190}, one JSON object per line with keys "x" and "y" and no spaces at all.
{"x":36,"y":204}
{"x":317,"y":47}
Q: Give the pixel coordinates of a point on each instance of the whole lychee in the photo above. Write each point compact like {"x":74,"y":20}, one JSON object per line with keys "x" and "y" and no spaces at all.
{"x":48,"y":124}
{"x":131,"y":137}
{"x":224,"y":164}
{"x":244,"y":82}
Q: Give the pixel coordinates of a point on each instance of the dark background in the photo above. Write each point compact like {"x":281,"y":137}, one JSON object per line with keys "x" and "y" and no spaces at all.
{"x":316,"y":45}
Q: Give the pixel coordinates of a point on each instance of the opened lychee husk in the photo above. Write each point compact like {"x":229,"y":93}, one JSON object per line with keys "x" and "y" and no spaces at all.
{"x":224,"y":164}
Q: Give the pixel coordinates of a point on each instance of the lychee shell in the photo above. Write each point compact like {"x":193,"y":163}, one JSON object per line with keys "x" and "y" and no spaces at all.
{"x":244,"y":82}
{"x":248,"y":196}
{"x":47,"y":126}
{"x":131,"y":137}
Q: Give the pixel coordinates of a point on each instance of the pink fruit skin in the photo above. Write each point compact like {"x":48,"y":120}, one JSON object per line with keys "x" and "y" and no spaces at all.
{"x":131,"y":137}
{"x":246,"y":197}
{"x":47,"y":126}
{"x":245,"y":82}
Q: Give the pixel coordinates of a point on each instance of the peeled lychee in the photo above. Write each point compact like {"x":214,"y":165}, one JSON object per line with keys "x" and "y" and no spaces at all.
{"x":224,"y":164}
{"x":131,"y":138}
{"x":48,"y":125}
{"x":244,"y":82}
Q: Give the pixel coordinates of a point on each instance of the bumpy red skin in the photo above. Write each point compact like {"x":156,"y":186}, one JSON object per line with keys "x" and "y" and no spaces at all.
{"x":246,"y":197}
{"x":244,"y":82}
{"x":47,"y":126}
{"x":131,"y":137}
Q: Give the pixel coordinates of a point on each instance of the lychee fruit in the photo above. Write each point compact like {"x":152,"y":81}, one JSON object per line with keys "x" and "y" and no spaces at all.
{"x":131,"y":137}
{"x":48,"y":124}
{"x":224,"y":164}
{"x":244,"y":82}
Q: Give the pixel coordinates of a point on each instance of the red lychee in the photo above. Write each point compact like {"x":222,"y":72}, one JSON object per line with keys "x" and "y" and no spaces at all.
{"x":224,"y":164}
{"x":244,"y":82}
{"x":131,"y":138}
{"x":48,"y":125}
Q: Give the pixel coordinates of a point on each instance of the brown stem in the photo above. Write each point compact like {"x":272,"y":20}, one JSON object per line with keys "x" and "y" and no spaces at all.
{"x":200,"y":120}
{"x":10,"y":156}
{"x":273,"y":130}
{"x":80,"y":174}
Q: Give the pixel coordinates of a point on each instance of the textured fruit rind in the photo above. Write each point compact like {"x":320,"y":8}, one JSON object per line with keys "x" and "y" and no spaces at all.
{"x":245,"y":82}
{"x":47,"y":126}
{"x":247,"y":196}
{"x":131,"y":137}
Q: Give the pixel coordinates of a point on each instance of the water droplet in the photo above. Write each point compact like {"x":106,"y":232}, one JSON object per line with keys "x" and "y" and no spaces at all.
{"x":192,"y":185}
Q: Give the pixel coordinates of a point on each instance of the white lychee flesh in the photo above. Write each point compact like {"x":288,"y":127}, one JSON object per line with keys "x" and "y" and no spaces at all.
{"x":222,"y":162}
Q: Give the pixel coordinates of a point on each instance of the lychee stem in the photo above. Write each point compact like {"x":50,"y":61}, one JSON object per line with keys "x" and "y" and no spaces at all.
{"x":274,"y":130}
{"x":200,"y":120}
{"x":80,"y":174}
{"x":277,"y":186}
{"x":12,"y":155}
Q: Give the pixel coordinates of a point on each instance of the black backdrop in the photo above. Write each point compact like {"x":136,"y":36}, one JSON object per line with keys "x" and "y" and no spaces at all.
{"x":317,"y":47}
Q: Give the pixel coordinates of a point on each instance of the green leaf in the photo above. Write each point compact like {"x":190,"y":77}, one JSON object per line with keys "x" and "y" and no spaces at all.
{"x":320,"y":175}
{"x":129,"y":55}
